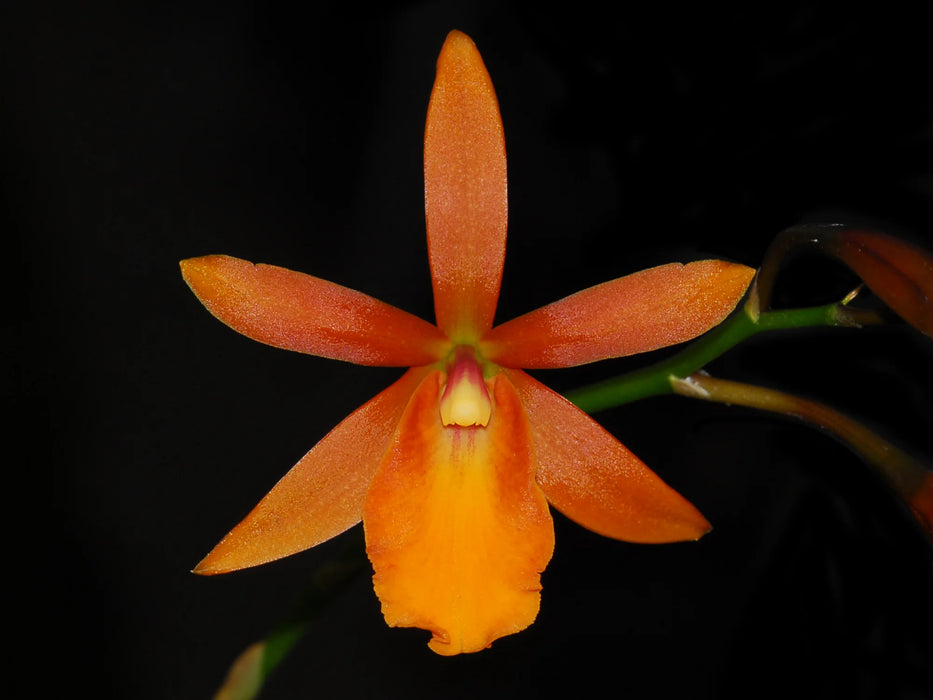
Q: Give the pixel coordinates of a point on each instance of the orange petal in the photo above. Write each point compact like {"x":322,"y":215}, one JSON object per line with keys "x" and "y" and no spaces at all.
{"x":898,"y":272}
{"x":299,"y":312}
{"x":464,"y":191}
{"x":644,"y":311}
{"x":456,"y":529}
{"x":590,"y":477}
{"x":323,"y":494}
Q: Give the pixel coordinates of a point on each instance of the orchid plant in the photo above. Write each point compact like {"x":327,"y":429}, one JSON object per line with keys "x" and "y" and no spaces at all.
{"x":454,"y":467}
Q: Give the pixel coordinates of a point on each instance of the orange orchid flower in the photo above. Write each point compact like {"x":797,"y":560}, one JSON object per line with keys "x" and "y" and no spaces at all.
{"x":452,"y":468}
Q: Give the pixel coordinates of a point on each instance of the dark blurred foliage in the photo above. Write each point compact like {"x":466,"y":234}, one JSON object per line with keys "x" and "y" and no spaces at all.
{"x":134,"y":134}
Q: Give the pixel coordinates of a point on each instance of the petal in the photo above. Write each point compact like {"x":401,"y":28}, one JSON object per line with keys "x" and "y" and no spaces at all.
{"x":899,"y":273}
{"x":456,"y":529}
{"x":323,"y":494}
{"x":294,"y":311}
{"x":464,"y":191}
{"x":644,"y":311}
{"x":590,"y":477}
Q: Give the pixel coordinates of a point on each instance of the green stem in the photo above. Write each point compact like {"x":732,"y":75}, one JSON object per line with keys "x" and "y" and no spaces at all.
{"x":656,"y":379}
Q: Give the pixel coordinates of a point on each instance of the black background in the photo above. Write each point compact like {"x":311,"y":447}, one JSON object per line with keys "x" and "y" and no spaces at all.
{"x":137,"y":134}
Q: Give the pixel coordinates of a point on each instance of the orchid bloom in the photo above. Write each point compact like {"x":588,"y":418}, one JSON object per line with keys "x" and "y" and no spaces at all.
{"x":452,"y":468}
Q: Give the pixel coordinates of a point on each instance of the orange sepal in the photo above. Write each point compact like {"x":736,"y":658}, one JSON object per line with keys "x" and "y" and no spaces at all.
{"x":456,"y":528}
{"x":294,"y":311}
{"x":593,"y":479}
{"x":323,"y":494}
{"x":643,"y":311}
{"x":464,"y":191}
